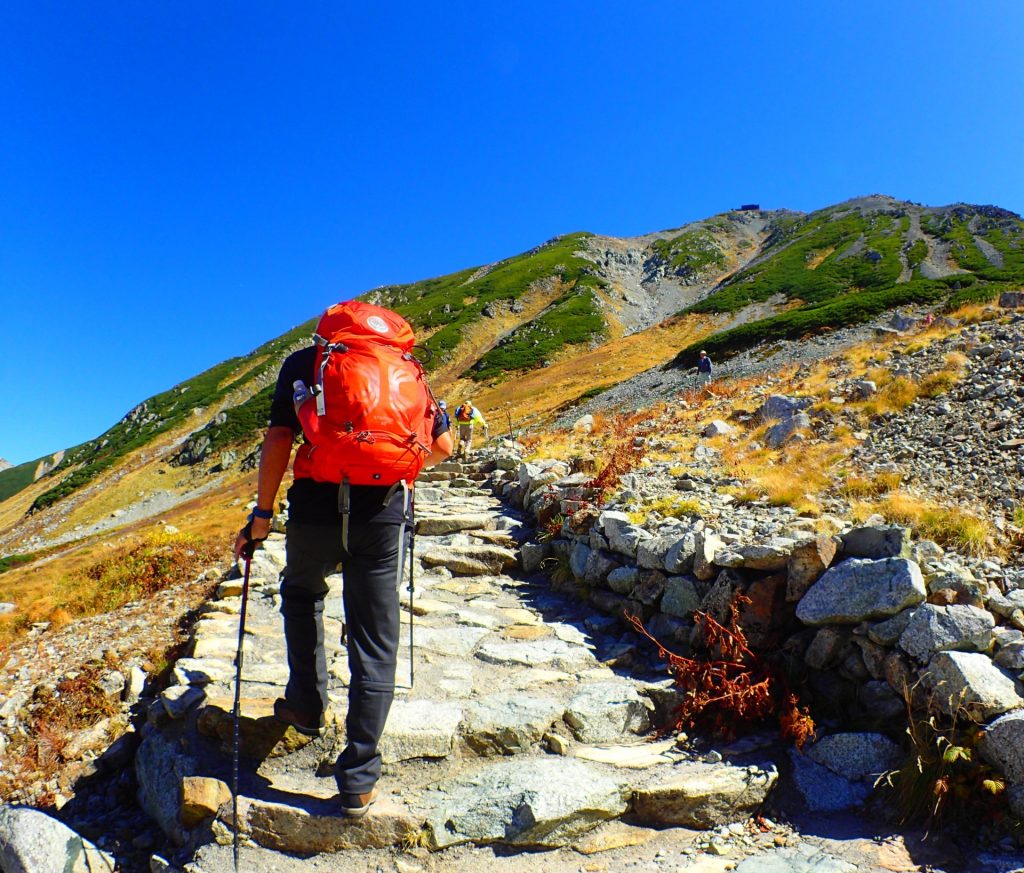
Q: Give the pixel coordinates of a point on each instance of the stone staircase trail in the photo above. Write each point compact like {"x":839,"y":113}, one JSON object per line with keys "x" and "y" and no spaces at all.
{"x":522,"y":728}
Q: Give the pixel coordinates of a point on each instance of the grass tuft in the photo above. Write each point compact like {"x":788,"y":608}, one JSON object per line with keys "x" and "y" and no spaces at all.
{"x":669,"y":507}
{"x":949,"y":526}
{"x":859,"y":487}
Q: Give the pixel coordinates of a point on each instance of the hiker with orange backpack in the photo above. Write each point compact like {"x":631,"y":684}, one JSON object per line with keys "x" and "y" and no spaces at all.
{"x":369,"y":425}
{"x":466,"y":416}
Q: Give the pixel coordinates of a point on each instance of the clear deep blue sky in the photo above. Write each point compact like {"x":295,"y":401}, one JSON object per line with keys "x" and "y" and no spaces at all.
{"x":180,"y":182}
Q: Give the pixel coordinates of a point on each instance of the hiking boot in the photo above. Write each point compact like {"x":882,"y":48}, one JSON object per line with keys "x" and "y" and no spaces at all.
{"x":304,"y":723}
{"x":356,"y":805}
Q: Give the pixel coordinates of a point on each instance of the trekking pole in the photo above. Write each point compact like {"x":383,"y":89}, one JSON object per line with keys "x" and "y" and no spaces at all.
{"x":511,"y":436}
{"x":412,"y":586}
{"x":237,"y":706}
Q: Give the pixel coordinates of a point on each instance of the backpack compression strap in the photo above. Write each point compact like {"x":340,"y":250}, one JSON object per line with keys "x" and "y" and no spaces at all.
{"x":318,"y":388}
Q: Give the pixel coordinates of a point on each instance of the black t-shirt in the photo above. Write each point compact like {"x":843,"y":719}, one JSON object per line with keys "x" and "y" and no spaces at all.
{"x":312,"y":502}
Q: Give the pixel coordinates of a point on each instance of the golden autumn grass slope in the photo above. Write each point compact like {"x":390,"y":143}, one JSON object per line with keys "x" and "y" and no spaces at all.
{"x":533,"y":397}
{"x":806,"y":475}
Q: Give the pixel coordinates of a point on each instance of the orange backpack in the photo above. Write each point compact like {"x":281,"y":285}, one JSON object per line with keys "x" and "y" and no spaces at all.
{"x":371,"y":416}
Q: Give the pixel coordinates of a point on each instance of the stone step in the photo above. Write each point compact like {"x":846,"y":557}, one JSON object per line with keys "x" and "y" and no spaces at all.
{"x":434,"y":475}
{"x":471,"y":560}
{"x":495,"y":537}
{"x":447,"y":524}
{"x":539,"y":801}
{"x":514,"y":732}
{"x":302,"y":815}
{"x":447,"y":467}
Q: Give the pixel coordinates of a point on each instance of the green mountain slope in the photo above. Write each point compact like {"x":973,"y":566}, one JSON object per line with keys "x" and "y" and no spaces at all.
{"x":446,"y":306}
{"x":14,"y":479}
{"x":776,"y":274}
{"x":166,"y":411}
{"x":848,"y":263}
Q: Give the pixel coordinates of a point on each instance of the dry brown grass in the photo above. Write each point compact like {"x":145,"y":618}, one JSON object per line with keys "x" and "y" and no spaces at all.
{"x":796,"y":476}
{"x":894,"y":395}
{"x":936,"y":384}
{"x":533,"y":397}
{"x":954,"y":527}
{"x":76,"y":703}
{"x":56,"y":587}
{"x":98,"y":578}
{"x":972,"y":313}
{"x":875,"y":485}
{"x":674,"y":506}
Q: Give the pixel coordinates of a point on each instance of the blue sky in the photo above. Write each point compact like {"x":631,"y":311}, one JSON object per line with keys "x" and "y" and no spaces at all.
{"x":180,"y":182}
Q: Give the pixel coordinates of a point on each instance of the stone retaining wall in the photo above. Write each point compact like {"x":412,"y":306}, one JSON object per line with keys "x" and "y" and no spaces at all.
{"x":874,"y":617}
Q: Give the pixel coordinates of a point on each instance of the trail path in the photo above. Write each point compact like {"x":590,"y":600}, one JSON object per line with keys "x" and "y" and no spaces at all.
{"x":523,"y":745}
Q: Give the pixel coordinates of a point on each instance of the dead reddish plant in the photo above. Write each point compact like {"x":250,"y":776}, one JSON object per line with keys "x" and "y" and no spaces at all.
{"x":626,"y":454}
{"x":731,"y":688}
{"x":76,"y":703}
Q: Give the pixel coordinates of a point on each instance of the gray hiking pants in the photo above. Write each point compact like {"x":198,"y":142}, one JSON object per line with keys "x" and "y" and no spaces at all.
{"x":465,"y":439}
{"x":370,"y":595}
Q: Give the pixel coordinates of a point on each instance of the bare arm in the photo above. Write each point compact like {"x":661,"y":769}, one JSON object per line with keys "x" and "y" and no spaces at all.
{"x":274,"y":457}
{"x":442,"y":448}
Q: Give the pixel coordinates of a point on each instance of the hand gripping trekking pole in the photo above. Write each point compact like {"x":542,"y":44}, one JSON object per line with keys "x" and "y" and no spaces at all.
{"x":247,"y":552}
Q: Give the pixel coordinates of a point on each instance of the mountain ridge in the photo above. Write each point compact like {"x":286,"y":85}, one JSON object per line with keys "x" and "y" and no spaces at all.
{"x":725,"y":282}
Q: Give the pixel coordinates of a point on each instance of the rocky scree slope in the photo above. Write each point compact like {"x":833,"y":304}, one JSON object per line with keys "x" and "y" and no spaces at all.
{"x":966,"y":445}
{"x":958,"y":443}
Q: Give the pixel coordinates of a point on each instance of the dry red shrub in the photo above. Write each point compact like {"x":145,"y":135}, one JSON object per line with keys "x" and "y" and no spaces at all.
{"x":628,"y":450}
{"x":732,"y":688}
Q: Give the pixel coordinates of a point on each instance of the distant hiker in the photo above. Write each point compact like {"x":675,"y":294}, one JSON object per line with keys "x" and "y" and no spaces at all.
{"x":467,"y":415}
{"x":350,"y":504}
{"x":703,"y":370}
{"x":444,"y":412}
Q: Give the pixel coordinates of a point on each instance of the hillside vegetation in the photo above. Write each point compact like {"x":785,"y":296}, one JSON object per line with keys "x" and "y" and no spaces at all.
{"x":445,"y":307}
{"x":537,"y":332}
{"x":166,"y":411}
{"x":847,"y":264}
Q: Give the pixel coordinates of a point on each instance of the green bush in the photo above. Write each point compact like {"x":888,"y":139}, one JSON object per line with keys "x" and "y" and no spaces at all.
{"x":15,"y":479}
{"x":847,"y":310}
{"x":974,"y":293}
{"x":573,"y":320}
